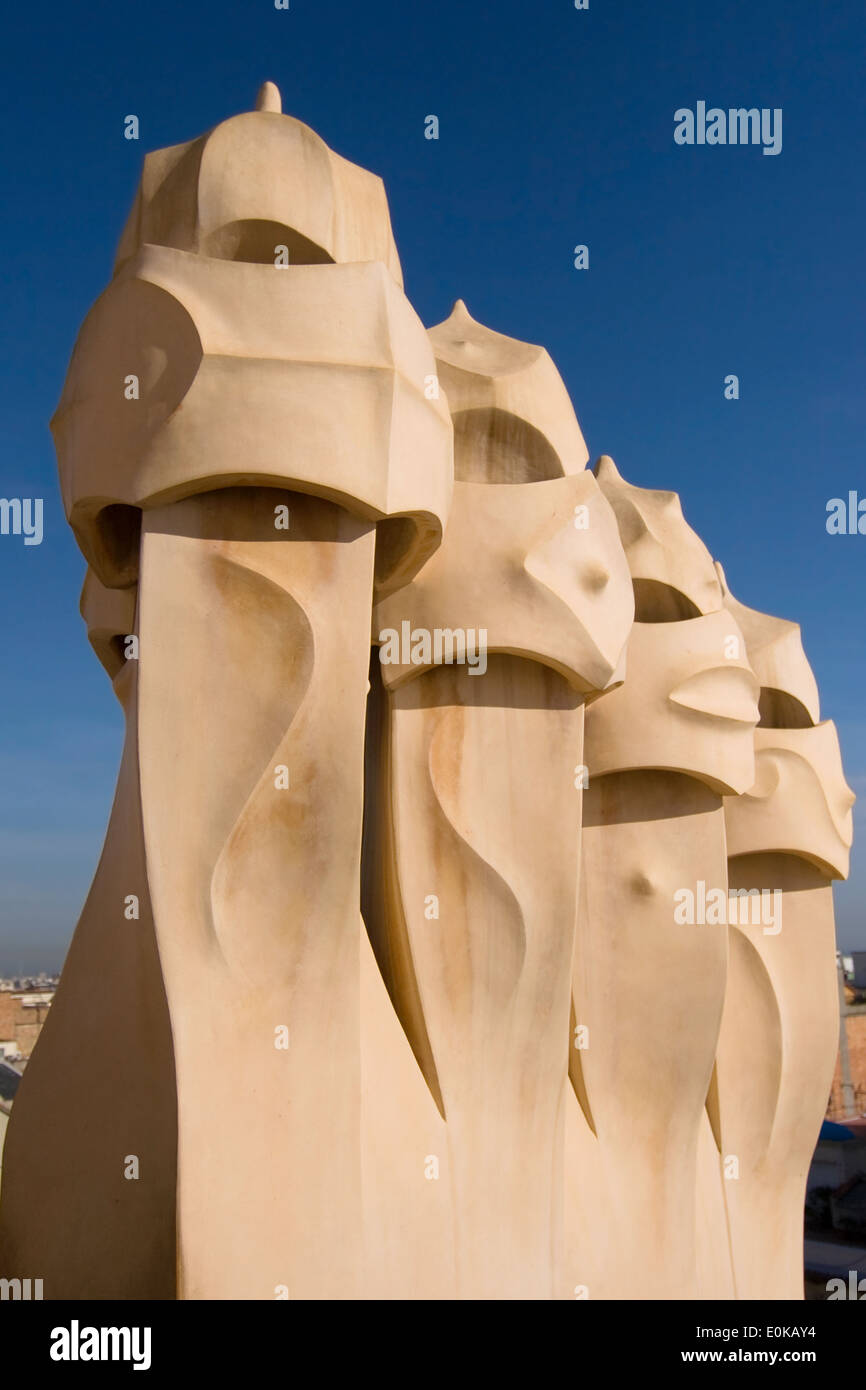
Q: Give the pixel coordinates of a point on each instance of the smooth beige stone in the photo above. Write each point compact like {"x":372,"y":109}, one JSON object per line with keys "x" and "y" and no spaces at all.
{"x":650,"y":993}
{"x":110,"y":617}
{"x":789,"y":691}
{"x":514,"y":565}
{"x":648,"y":990}
{"x":255,"y":886}
{"x":776,"y":1054}
{"x":473,"y":833}
{"x":310,"y":378}
{"x":687,"y":705}
{"x":406,"y":1244}
{"x":301,"y":1167}
{"x":799,"y":802}
{"x":526,"y":1076}
{"x":715,"y":1271}
{"x":257,"y":181}
{"x":787,"y":836}
{"x":472,"y":876}
{"x":255,"y":389}
{"x":672,"y":569}
{"x":99,"y":1088}
{"x":406,"y":1181}
{"x":513,"y":419}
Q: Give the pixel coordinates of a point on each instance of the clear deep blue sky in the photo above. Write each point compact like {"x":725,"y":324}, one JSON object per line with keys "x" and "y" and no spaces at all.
{"x":556,"y":129}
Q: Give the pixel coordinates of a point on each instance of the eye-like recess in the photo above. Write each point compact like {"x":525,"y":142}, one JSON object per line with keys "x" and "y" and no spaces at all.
{"x":656,"y":602}
{"x":114,"y":541}
{"x":255,"y":241}
{"x":494,"y":446}
{"x":779,"y":710}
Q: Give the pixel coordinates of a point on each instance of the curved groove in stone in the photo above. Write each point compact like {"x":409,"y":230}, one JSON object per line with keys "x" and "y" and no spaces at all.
{"x":442,"y":770}
{"x":754,"y":1041}
{"x":287,"y":673}
{"x":576,"y":1075}
{"x":784,"y":772}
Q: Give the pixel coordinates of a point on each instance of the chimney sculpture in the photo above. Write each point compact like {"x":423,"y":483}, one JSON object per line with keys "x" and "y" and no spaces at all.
{"x":649,"y":978}
{"x":372,"y":998}
{"x":230,"y":433}
{"x":788,"y":837}
{"x":479,"y":804}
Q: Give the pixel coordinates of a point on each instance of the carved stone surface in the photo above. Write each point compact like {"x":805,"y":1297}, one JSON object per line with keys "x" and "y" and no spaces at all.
{"x":420,"y":961}
{"x":480,"y":812}
{"x":788,"y":836}
{"x":662,"y":750}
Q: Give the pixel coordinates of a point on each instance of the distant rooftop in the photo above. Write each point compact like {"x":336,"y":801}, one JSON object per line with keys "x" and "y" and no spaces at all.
{"x":10,"y":1080}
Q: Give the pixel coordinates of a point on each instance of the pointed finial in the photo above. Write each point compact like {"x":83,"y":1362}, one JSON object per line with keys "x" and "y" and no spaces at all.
{"x":269,"y":98}
{"x":460,"y":319}
{"x":605,"y":467}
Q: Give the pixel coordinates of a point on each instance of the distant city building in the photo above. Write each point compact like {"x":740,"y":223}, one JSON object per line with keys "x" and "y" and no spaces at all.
{"x":22,"y":1014}
{"x":847,"y":1099}
{"x":836,"y":1209}
{"x":9,"y":1082}
{"x":28,"y":983}
{"x":854,"y":969}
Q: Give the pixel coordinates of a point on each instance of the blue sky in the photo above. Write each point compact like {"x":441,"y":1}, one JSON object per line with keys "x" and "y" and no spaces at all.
{"x":556,"y":128}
